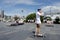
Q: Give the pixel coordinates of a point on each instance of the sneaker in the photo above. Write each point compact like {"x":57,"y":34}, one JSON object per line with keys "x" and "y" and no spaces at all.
{"x":40,"y":35}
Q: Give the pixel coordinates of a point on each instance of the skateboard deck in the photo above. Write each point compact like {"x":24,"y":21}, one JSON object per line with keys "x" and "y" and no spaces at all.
{"x":43,"y":34}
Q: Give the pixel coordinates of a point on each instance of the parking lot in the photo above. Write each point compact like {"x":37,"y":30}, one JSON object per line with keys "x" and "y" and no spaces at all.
{"x":24,"y":32}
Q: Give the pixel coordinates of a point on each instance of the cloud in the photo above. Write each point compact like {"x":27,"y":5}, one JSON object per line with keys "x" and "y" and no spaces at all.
{"x":4,"y":4}
{"x":51,"y":9}
{"x":14,"y":2}
{"x":56,"y":4}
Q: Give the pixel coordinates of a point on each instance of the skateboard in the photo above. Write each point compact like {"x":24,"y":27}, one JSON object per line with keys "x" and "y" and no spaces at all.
{"x":43,"y":35}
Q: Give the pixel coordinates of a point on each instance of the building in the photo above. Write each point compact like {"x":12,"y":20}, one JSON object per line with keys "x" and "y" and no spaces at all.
{"x":54,"y":16}
{"x":1,"y":14}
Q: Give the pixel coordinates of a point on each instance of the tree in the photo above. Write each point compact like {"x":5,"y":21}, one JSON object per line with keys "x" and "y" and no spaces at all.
{"x":31,"y":16}
{"x":16,"y":18}
{"x":41,"y":18}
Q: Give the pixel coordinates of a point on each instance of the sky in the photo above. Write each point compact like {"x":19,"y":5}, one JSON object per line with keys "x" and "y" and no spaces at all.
{"x":15,"y":7}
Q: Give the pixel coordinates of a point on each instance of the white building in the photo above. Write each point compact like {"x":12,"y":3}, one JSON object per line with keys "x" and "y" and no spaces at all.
{"x":54,"y":16}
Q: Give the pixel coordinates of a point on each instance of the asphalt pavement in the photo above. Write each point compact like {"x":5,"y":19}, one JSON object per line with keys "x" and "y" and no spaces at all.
{"x":24,"y":32}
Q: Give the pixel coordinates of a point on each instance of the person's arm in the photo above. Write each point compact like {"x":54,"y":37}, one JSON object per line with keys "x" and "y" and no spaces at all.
{"x":41,"y":14}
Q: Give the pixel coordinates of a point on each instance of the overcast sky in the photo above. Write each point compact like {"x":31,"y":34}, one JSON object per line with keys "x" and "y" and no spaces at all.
{"x":14,"y":7}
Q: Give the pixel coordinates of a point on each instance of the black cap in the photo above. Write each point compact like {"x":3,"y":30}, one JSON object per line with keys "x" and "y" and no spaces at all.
{"x":38,"y":9}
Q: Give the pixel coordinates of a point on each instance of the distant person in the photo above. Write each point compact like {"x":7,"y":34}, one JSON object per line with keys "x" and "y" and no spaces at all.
{"x":38,"y":22}
{"x":17,"y":21}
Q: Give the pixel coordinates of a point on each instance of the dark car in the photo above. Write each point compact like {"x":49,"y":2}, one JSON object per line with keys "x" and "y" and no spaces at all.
{"x":57,"y":20}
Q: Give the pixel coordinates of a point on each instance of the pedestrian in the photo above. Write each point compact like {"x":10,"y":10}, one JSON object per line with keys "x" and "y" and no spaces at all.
{"x":38,"y":22}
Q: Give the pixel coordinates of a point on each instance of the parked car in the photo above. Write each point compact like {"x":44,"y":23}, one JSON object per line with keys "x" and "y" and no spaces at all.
{"x":57,"y":20}
{"x":20,"y":22}
{"x":16,"y":23}
{"x":31,"y":21}
{"x":45,"y":21}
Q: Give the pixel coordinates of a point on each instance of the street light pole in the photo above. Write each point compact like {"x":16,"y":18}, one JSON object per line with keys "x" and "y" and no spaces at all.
{"x":50,"y":10}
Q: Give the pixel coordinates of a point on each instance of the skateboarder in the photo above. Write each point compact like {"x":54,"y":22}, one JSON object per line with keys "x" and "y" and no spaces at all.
{"x":38,"y":22}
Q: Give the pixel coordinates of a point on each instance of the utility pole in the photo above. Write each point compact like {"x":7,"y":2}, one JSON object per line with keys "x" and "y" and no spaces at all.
{"x":50,"y":10}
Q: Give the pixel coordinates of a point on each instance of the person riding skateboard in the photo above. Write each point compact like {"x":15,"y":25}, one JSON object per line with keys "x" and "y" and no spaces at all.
{"x":38,"y":22}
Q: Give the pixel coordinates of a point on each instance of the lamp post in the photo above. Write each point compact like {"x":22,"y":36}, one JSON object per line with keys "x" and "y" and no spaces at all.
{"x":22,"y":13}
{"x":50,"y":10}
